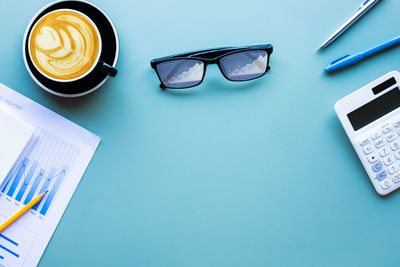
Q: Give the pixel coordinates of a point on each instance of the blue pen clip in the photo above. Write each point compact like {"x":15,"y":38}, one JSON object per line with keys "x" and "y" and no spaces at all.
{"x":333,"y":65}
{"x":344,"y":61}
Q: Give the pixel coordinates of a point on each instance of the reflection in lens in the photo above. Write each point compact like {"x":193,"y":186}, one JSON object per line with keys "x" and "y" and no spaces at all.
{"x":181,"y":73}
{"x":243,"y":66}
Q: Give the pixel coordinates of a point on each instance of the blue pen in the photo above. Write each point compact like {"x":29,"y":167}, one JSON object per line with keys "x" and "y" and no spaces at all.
{"x":350,"y":60}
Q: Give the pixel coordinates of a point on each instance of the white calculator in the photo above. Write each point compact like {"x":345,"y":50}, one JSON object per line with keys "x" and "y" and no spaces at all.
{"x":371,"y":119}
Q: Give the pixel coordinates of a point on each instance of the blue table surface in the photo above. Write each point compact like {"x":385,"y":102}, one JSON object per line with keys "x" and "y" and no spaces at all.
{"x":225,"y":174}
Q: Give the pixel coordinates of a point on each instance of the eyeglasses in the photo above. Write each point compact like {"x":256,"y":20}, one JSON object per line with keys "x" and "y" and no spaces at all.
{"x":236,"y":64}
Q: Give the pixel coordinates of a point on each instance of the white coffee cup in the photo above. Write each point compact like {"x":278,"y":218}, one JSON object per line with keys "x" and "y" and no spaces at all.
{"x":52,"y":84}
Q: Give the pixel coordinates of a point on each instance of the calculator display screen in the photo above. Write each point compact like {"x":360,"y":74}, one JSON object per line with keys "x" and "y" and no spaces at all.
{"x":375,"y":109}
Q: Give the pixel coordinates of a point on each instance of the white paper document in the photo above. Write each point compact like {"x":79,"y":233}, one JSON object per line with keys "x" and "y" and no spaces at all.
{"x":56,"y":162}
{"x":14,"y":141}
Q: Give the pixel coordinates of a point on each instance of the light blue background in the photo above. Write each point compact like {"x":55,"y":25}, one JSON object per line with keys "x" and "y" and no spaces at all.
{"x":224,"y":174}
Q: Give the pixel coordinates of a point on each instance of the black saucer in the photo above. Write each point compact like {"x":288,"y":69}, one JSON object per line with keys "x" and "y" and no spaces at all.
{"x":108,"y":54}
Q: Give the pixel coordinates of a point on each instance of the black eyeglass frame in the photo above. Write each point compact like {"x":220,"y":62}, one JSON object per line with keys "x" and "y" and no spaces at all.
{"x":211,"y":56}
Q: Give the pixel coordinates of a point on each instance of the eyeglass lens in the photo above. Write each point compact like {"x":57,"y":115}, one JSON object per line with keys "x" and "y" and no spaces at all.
{"x":181,"y":73}
{"x":243,"y":66}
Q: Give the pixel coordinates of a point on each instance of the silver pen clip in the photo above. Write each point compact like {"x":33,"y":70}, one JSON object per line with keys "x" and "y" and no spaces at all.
{"x":363,"y":4}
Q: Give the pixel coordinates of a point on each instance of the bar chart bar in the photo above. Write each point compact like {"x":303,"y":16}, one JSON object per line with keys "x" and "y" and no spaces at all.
{"x":9,"y":251}
{"x":45,"y":185}
{"x":52,"y":193}
{"x":47,"y":182}
{"x":9,"y":240}
{"x":8,"y":179}
{"x":6,"y":183}
{"x":27,"y":181}
{"x":34,"y":187}
{"x":18,"y":177}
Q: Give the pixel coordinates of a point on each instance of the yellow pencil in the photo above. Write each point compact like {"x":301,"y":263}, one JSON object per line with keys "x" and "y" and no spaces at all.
{"x":21,"y":212}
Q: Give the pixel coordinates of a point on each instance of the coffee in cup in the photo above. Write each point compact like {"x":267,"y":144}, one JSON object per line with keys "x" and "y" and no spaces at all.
{"x":64,"y":45}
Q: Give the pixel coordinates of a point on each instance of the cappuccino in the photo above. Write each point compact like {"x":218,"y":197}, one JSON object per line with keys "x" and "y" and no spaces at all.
{"x":64,"y":45}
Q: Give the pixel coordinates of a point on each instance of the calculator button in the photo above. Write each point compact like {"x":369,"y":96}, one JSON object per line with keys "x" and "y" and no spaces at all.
{"x":386,"y":128}
{"x":381,"y":176}
{"x":372,"y":158}
{"x":396,"y":178}
{"x":380,"y":142}
{"x":385,"y":184}
{"x":398,"y":130}
{"x":368,"y":149}
{"x":377,"y":166}
{"x":396,"y":123}
{"x":364,"y":141}
{"x":395,"y":145}
{"x":390,"y":137}
{"x":397,"y":154}
{"x":388,"y":160}
{"x":384,"y":152}
{"x":376,"y":135}
{"x":393,"y":169}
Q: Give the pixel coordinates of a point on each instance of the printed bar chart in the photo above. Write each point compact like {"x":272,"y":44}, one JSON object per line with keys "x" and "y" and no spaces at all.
{"x":44,"y":169}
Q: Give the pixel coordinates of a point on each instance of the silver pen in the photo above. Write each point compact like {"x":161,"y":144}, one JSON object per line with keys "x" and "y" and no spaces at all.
{"x":364,"y":8}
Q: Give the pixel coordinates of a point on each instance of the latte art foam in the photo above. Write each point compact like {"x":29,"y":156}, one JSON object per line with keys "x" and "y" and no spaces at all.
{"x":64,"y":45}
